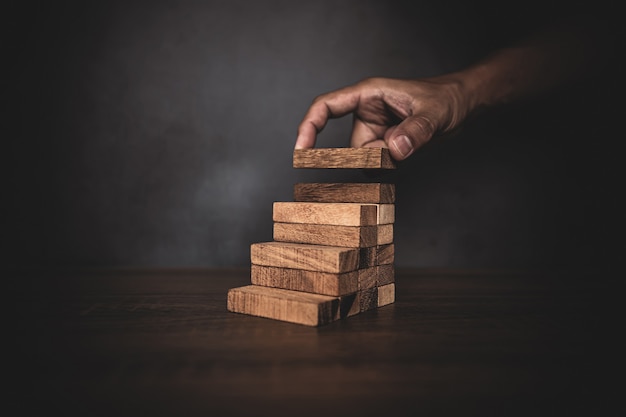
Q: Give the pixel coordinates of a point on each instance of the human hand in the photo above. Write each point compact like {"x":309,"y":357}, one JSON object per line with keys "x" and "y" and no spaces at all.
{"x":401,"y":115}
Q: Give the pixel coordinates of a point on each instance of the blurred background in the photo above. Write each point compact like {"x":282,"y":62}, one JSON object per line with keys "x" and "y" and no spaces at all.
{"x":159,"y":133}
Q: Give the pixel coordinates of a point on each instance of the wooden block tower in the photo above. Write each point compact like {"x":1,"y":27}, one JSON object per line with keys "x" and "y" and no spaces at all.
{"x":333,"y":254}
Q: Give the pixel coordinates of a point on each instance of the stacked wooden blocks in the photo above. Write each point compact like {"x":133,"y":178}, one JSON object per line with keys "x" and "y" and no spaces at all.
{"x":333,"y":254}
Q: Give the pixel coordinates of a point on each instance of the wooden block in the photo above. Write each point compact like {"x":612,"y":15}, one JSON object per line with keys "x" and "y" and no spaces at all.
{"x":376,"y":255}
{"x":366,"y":158}
{"x":324,"y":283}
{"x":385,"y":254}
{"x":349,"y":305}
{"x":342,"y":214}
{"x":367,"y":257}
{"x":309,"y":281}
{"x":302,"y":256}
{"x":323,"y":234}
{"x":368,"y":299}
{"x":299,"y":307}
{"x":285,"y":305}
{"x":367,"y":278}
{"x":386,"y":213}
{"x":384,"y":234}
{"x":374,"y":193}
{"x":385,"y":274}
{"x":386,"y":294}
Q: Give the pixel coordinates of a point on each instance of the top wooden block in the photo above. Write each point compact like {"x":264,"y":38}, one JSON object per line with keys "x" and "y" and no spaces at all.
{"x":375,"y":193}
{"x":365,"y":158}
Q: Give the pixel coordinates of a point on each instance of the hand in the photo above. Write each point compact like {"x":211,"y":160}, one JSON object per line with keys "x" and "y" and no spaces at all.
{"x":401,"y":115}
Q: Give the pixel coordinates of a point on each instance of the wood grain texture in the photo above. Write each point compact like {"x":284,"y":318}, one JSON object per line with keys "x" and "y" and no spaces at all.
{"x":349,"y":305}
{"x":386,"y":213}
{"x":342,"y":214}
{"x":374,"y":193}
{"x":385,"y":254}
{"x":385,"y":274}
{"x":299,"y":307}
{"x":386,"y":294}
{"x":365,"y":158}
{"x":376,"y":255}
{"x":160,"y":342}
{"x":367,"y":278}
{"x":285,"y":305}
{"x":316,"y":282}
{"x":323,"y":234}
{"x":368,"y":299}
{"x":321,"y":258}
{"x":384,"y":234}
{"x":309,"y":281}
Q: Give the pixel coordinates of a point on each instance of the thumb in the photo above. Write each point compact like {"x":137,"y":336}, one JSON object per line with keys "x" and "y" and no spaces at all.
{"x":408,"y":136}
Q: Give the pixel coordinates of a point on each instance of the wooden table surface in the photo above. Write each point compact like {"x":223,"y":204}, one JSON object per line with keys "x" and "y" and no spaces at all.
{"x":455,"y":343}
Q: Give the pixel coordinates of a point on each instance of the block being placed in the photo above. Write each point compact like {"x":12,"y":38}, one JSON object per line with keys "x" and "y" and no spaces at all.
{"x":374,"y":193}
{"x":365,"y":158}
{"x":320,"y":258}
{"x":331,"y":235}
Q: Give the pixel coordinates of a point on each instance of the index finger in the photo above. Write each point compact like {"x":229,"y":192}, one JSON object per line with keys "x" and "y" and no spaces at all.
{"x":327,"y":106}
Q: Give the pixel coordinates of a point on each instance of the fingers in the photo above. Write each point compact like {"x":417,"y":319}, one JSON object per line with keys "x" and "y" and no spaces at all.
{"x":327,"y":106}
{"x":408,"y":136}
{"x":364,"y":132}
{"x":378,"y":143}
{"x":377,"y":106}
{"x":307,"y":132}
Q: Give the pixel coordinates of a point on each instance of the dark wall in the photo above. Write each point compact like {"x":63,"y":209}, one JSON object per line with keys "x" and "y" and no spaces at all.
{"x":159,"y":134}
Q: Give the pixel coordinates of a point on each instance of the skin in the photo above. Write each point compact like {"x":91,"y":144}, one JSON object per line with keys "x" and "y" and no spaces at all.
{"x":404,"y":114}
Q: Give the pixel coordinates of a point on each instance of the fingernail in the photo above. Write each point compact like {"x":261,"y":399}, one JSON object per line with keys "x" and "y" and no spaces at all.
{"x":402,"y":145}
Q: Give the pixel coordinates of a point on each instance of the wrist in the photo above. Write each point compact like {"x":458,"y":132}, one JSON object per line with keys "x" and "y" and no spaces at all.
{"x":463,"y":92}
{"x":475,"y":88}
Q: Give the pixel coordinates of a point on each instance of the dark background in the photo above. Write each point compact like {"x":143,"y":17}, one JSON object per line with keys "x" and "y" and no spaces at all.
{"x":159,"y":133}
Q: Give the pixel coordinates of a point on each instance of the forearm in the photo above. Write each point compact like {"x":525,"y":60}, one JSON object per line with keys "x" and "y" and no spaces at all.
{"x":545,"y":61}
